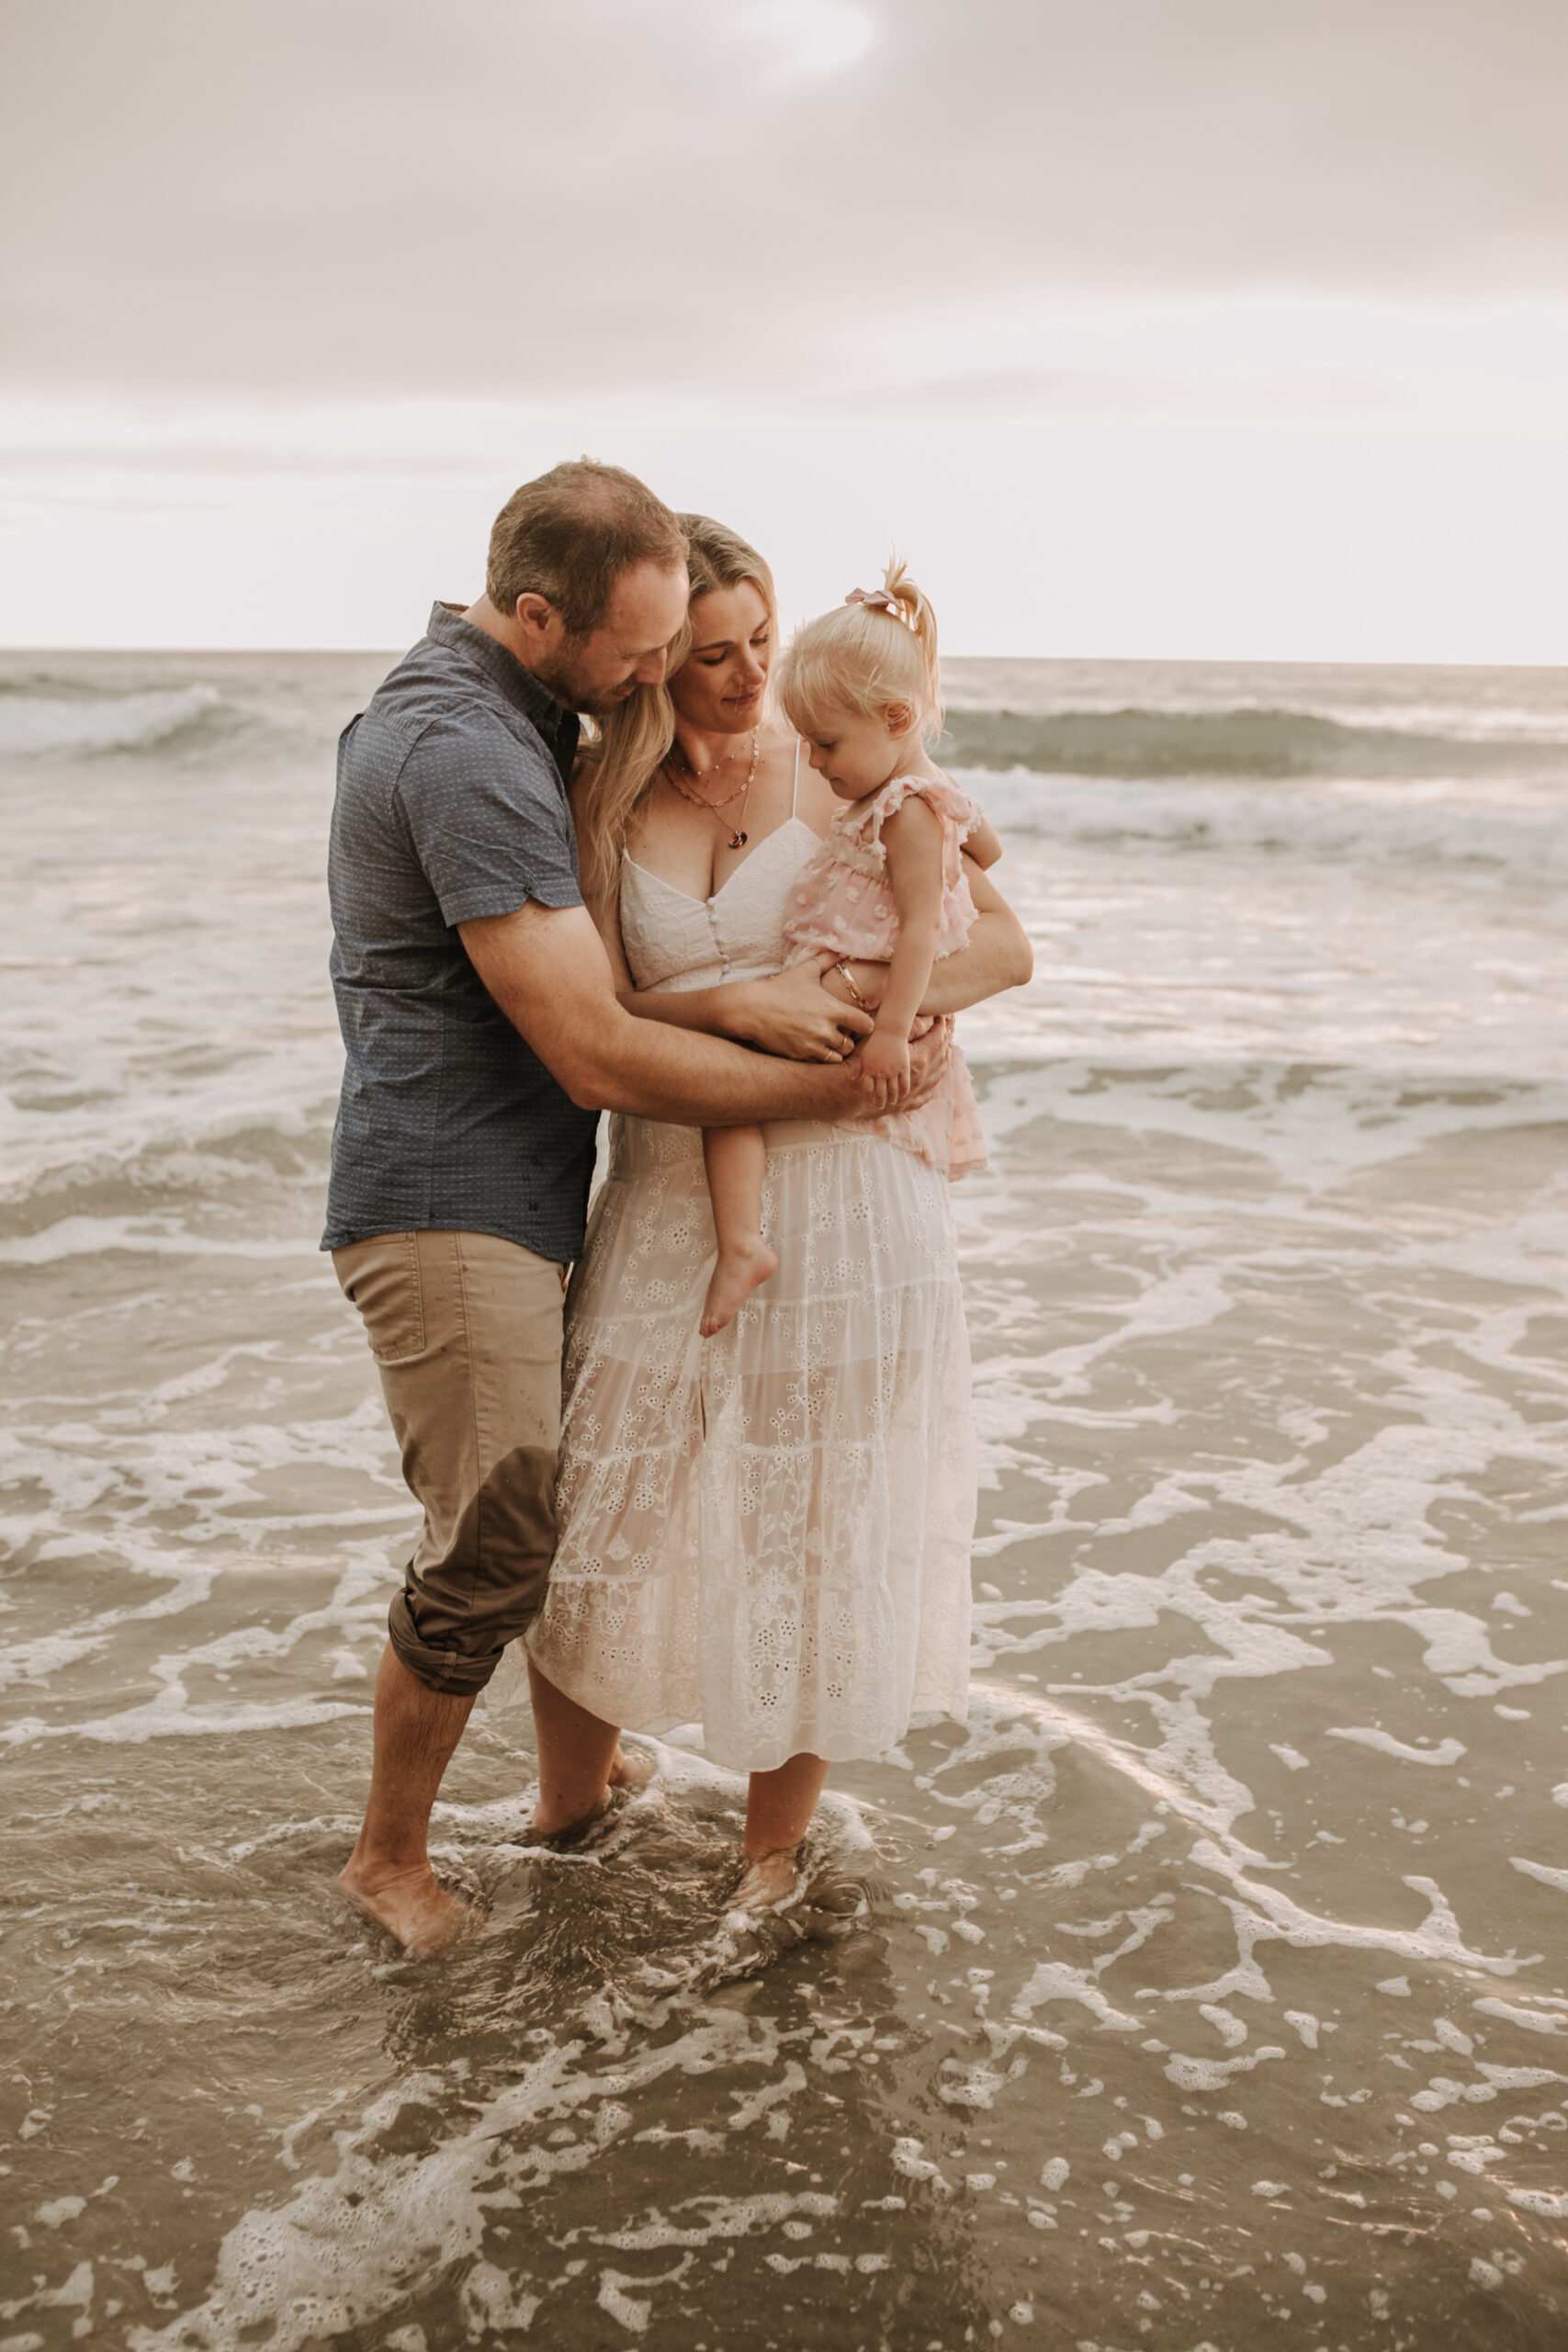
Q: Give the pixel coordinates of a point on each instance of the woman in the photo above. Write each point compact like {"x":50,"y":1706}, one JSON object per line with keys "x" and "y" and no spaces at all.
{"x":768,"y":1532}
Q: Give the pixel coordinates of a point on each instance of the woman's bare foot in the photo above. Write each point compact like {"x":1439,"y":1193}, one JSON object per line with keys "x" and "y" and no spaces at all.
{"x":768,"y":1880}
{"x":574,"y":1833}
{"x":413,"y":1905}
{"x":632,"y":1772}
{"x":626,"y":1775}
{"x":742,"y":1266}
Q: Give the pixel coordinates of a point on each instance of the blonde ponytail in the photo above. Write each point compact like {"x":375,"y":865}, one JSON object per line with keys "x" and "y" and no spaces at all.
{"x":876,"y":650}
{"x":920,"y":622}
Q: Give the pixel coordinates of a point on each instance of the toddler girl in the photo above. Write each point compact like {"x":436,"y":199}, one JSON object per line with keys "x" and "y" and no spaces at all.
{"x":862,"y":686}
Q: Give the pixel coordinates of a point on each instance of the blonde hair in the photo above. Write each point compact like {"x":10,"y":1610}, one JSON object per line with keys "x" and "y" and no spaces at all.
{"x":863,"y":656}
{"x":631,"y":743}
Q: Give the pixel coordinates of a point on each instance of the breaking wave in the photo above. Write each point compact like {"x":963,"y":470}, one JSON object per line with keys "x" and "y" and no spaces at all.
{"x":1134,"y":743}
{"x":32,"y":724}
{"x":1383,"y":826}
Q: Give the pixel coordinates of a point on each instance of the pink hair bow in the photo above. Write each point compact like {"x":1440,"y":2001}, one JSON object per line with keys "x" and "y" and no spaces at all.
{"x":878,"y":599}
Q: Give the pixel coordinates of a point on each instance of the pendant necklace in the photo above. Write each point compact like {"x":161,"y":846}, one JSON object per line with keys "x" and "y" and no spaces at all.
{"x":742,"y":792}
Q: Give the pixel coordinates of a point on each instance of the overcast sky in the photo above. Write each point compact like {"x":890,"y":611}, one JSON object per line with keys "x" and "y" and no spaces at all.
{"x":1146,"y":326}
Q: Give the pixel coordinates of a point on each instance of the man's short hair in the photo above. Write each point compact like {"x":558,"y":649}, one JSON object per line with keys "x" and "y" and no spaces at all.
{"x":569,"y":537}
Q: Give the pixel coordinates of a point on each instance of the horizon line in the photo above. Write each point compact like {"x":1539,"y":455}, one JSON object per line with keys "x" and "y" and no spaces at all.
{"x":1190,"y":660}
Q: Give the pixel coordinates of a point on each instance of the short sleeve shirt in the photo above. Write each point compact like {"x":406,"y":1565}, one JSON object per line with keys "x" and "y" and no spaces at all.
{"x":451,"y":804}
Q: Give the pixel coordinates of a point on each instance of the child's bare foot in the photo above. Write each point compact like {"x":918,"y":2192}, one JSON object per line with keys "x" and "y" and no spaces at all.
{"x":742,"y":1266}
{"x":412,"y":1905}
{"x":768,"y":1880}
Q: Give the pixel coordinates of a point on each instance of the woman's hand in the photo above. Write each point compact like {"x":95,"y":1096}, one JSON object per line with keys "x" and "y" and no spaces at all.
{"x":794,"y":1015}
{"x":870,"y":978}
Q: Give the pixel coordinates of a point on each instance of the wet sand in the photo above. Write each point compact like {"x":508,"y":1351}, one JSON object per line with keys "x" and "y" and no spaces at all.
{"x":1208,"y":1987}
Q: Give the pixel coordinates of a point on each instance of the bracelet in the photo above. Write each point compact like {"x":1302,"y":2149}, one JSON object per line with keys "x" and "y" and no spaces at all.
{"x":847,"y":977}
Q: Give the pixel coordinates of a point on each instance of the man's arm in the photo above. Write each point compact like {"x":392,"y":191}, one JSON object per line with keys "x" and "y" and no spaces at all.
{"x":547,"y":971}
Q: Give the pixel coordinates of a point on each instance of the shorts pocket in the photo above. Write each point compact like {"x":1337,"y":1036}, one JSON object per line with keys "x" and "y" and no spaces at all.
{"x":381,"y":1278}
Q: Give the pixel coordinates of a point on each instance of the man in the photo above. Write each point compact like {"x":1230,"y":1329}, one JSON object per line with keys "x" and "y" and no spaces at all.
{"x":483,"y":1037}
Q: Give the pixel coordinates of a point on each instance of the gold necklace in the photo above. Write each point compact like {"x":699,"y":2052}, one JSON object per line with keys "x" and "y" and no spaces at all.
{"x":742,"y":792}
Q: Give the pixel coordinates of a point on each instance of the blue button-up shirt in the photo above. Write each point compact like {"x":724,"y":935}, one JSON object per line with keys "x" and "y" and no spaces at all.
{"x":451,"y":804}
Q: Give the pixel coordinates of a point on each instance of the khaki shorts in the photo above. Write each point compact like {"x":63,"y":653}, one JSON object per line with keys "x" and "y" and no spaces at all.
{"x":465,"y":1330}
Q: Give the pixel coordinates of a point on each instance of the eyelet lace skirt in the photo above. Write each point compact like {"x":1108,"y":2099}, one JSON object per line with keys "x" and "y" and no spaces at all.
{"x":767,"y":1533}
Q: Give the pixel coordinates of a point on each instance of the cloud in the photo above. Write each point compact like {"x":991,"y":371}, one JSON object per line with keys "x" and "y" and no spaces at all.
{"x":771,"y":201}
{"x":805,"y":38}
{"x":1175,"y":326}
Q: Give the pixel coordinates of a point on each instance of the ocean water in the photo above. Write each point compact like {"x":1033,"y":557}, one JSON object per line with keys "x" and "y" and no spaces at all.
{"x":1209,"y":1987}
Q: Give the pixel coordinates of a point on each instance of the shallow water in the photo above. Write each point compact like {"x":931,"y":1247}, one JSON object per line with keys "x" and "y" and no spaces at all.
{"x":1208,"y":1987}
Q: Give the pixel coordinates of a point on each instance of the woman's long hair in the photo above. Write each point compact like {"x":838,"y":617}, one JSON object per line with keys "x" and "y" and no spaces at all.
{"x":629,"y":746}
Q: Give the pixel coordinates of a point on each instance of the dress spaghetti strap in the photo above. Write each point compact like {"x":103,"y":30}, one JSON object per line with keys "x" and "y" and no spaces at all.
{"x":795,"y":788}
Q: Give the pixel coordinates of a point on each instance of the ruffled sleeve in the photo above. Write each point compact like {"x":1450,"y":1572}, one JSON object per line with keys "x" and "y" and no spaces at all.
{"x":940,"y":794}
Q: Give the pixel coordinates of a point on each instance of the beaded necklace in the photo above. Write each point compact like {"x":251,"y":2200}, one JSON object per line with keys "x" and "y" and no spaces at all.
{"x":742,"y":792}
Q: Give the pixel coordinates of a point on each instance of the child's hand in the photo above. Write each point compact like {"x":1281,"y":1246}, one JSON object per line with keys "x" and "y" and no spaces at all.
{"x":885,"y":1061}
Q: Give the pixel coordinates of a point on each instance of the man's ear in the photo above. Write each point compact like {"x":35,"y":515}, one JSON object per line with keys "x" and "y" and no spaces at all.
{"x":535,"y":614}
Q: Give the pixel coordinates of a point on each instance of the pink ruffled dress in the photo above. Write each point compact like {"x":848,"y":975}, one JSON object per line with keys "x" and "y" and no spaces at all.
{"x":842,"y":900}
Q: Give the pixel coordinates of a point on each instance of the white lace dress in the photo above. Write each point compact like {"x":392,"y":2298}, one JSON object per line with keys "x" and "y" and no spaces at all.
{"x":766,"y":1532}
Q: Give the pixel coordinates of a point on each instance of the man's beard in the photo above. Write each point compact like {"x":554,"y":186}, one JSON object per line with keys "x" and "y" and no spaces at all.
{"x":603,"y":701}
{"x":566,"y":685}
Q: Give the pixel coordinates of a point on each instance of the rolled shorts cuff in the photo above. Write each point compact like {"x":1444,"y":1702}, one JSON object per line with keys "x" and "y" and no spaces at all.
{"x":452,"y":1672}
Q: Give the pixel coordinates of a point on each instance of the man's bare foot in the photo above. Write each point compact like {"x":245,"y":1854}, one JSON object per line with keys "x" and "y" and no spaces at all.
{"x":742,"y":1266}
{"x":768,"y":1880}
{"x":413,"y":1905}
